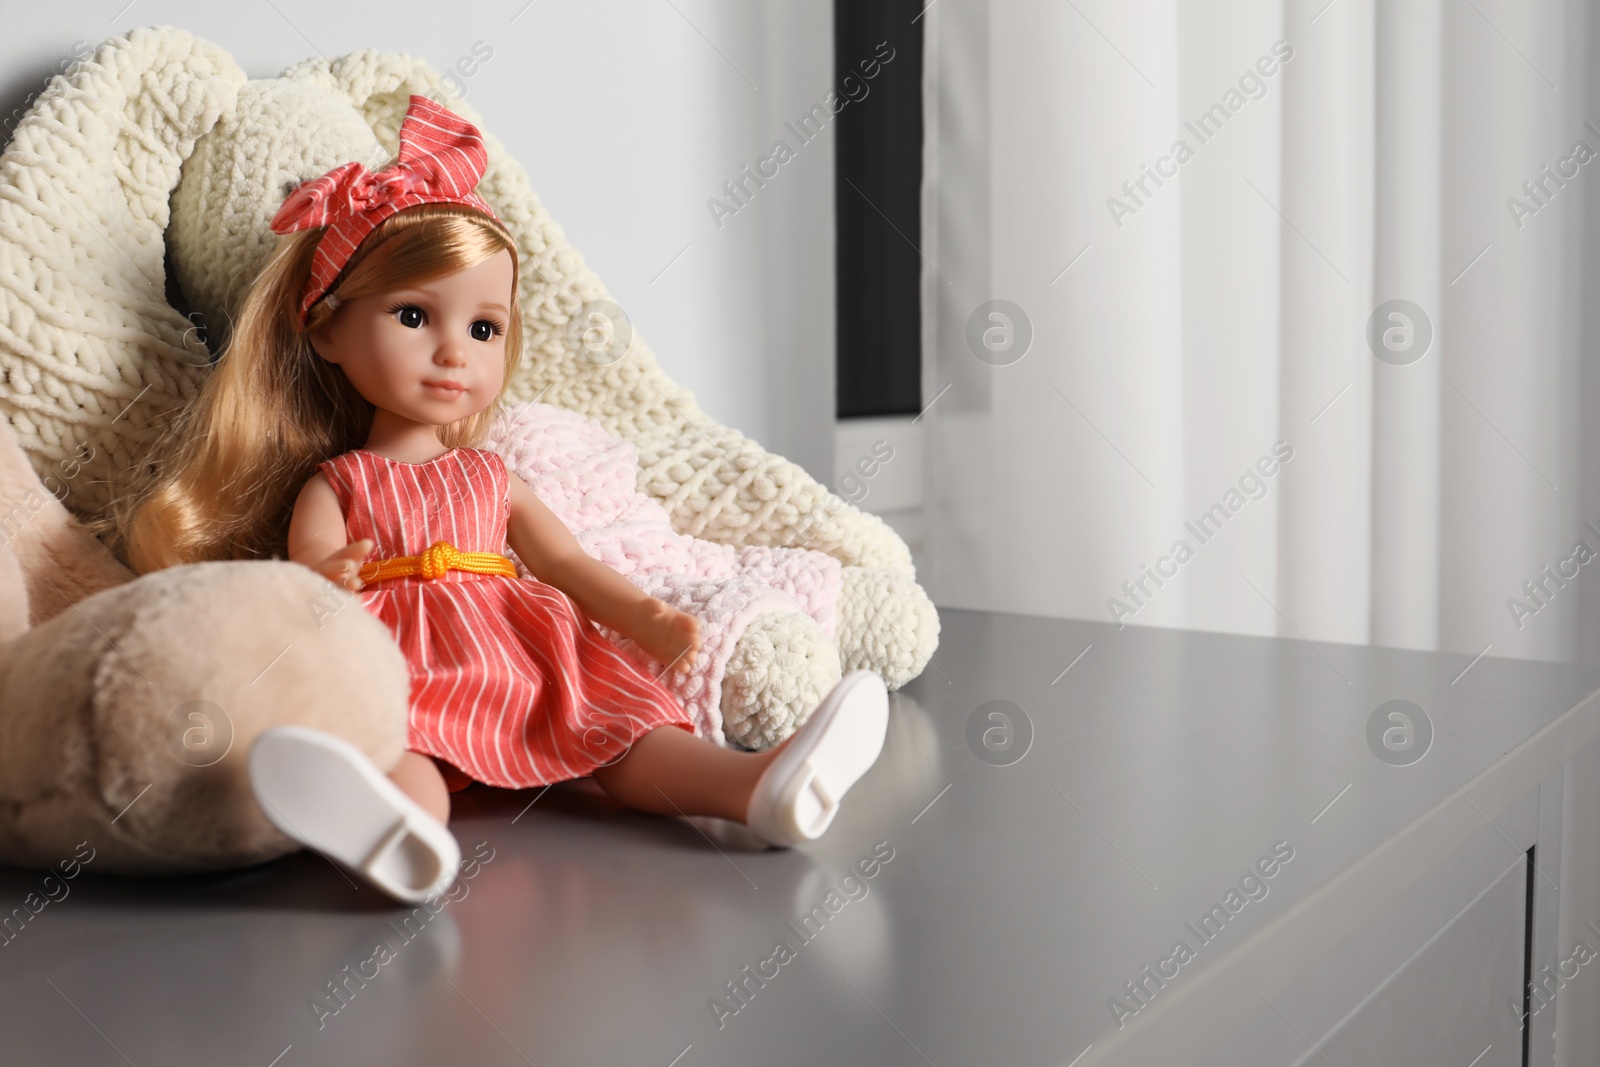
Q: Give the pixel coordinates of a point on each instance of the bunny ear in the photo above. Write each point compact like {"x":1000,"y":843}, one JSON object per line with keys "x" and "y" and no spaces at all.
{"x":86,"y":187}
{"x":451,"y":148}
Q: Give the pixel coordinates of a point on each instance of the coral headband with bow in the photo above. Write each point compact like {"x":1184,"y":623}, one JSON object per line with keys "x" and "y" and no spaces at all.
{"x":442,"y":158}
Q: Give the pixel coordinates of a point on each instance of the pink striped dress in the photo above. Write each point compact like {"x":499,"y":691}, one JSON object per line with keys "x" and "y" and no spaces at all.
{"x":510,"y":681}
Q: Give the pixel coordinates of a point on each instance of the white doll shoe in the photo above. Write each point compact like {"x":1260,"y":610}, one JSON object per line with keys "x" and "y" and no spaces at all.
{"x":797,"y":796}
{"x":327,"y":794}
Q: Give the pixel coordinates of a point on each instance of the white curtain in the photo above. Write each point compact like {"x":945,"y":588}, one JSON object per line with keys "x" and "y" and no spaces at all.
{"x":1198,"y":211}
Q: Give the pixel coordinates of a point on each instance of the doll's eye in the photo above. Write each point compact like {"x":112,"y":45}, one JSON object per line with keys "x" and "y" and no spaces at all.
{"x":411,"y":316}
{"x":486,"y":330}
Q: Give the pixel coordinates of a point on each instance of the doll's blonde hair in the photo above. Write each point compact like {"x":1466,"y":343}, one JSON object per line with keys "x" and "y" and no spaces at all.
{"x":227,"y":473}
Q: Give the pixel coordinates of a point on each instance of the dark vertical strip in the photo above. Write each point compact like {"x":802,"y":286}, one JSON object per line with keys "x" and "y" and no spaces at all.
{"x":1527,"y":960}
{"x":877,"y":190}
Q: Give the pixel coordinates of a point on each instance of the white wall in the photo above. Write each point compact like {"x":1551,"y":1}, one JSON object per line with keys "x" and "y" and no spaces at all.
{"x":628,"y":115}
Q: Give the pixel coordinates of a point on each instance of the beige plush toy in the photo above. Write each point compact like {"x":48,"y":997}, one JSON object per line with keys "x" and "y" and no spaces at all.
{"x":138,"y":190}
{"x":127,"y":706}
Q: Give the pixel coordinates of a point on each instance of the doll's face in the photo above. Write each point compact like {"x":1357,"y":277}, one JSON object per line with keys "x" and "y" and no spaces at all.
{"x":432,"y":354}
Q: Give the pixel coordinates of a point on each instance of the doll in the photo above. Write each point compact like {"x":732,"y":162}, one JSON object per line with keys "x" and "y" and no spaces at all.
{"x":342,"y":421}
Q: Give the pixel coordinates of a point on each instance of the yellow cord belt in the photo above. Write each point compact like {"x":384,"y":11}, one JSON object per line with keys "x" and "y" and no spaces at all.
{"x":441,"y":556}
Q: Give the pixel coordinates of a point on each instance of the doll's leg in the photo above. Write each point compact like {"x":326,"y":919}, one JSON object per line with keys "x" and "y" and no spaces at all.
{"x":672,"y":772}
{"x":786,"y":794}
{"x":419,"y":779}
{"x":326,"y":793}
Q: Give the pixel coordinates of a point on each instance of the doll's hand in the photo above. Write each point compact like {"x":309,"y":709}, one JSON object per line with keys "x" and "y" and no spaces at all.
{"x":344,"y":566}
{"x":670,"y":635}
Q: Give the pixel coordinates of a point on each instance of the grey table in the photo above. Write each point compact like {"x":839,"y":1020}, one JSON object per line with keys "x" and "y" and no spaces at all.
{"x":1010,"y":892}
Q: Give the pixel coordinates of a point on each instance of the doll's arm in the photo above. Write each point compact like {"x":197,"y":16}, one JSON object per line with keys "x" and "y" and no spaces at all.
{"x":552,"y":555}
{"x":317,"y":535}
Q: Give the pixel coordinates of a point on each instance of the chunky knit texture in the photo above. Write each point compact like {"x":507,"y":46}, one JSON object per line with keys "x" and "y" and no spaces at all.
{"x":92,"y":352}
{"x":586,"y":478}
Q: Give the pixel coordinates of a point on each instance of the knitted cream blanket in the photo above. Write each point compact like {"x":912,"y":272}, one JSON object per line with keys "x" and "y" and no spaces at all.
{"x":588,"y":478}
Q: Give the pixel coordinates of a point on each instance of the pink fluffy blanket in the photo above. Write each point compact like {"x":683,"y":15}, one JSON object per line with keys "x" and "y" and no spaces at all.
{"x":589,"y":479}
